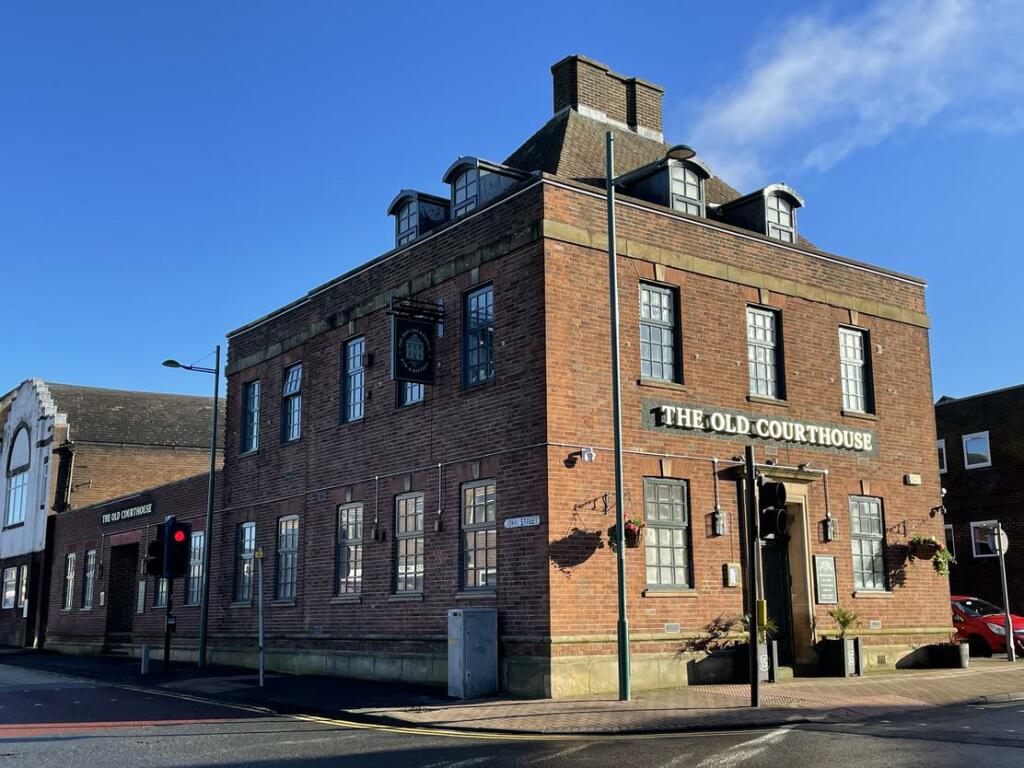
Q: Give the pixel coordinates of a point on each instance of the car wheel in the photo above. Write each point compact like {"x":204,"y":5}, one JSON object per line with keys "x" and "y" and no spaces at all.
{"x":979,"y":646}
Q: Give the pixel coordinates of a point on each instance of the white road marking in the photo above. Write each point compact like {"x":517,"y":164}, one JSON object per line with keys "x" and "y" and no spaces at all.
{"x":458,"y":764}
{"x":677,"y":760}
{"x":560,"y":753}
{"x":740,"y":753}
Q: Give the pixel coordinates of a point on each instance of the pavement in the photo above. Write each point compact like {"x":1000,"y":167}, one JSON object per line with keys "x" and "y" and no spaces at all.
{"x":696,"y":708}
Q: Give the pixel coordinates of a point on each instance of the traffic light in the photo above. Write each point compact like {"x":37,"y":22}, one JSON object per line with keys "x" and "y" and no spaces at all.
{"x":772,"y":508}
{"x":178,"y":538}
{"x":155,"y":555}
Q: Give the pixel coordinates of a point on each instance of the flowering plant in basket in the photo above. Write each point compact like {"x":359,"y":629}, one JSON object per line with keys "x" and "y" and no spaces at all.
{"x":633,"y":532}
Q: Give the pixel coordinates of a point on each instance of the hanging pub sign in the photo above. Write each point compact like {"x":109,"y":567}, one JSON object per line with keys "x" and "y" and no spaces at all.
{"x":412,"y":349}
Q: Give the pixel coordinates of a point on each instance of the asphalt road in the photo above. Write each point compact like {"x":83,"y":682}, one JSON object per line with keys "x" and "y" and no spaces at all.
{"x":53,"y":721}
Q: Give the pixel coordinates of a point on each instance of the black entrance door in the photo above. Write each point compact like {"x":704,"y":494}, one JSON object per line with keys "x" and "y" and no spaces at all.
{"x":778,"y":593}
{"x":121,"y":588}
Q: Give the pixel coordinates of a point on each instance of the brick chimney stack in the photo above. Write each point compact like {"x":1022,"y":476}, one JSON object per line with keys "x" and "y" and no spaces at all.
{"x":593,"y":90}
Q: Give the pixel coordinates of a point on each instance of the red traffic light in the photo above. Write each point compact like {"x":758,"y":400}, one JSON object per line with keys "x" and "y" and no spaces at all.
{"x":179,"y":536}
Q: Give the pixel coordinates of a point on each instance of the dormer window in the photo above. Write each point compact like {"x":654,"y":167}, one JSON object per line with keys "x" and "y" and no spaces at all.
{"x":465,"y":192}
{"x":416,"y":213}
{"x":676,"y":184}
{"x":781,"y":219}
{"x":408,"y":223}
{"x":475,"y":182}
{"x":687,"y":190}
{"x":770,"y":211}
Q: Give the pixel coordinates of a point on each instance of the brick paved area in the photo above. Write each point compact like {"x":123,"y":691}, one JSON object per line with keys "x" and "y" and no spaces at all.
{"x":724,"y":706}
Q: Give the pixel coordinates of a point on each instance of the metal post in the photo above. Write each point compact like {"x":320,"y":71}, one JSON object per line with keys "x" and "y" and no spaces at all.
{"x":620,"y":522}
{"x":167,"y":625}
{"x":1011,"y":639}
{"x":204,"y":606}
{"x":259,"y":599}
{"x":752,"y":558}
{"x":145,"y":659}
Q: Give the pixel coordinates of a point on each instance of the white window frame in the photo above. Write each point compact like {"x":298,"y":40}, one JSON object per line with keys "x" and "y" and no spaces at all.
{"x":69,"y":581}
{"x":88,"y":580}
{"x":348,"y":562}
{"x":17,"y":499}
{"x":286,"y":577}
{"x":10,"y":588}
{"x":407,"y":223}
{"x":944,"y":462}
{"x":772,"y":362}
{"x":22,"y":586}
{"x":194,"y":579}
{"x":988,"y":442}
{"x":987,"y":525}
{"x":251,"y":416}
{"x":951,"y":539}
{"x":479,"y":519}
{"x":854,"y":373}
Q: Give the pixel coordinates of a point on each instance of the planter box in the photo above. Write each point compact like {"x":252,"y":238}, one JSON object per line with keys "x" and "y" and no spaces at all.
{"x":840,"y":658}
{"x":949,"y":656}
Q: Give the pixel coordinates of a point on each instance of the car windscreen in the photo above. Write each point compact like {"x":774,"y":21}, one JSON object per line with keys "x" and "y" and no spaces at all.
{"x":974,"y":607}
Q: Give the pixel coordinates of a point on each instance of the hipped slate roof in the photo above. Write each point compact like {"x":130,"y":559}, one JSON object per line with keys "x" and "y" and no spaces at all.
{"x":136,"y":418}
{"x":571,"y":145}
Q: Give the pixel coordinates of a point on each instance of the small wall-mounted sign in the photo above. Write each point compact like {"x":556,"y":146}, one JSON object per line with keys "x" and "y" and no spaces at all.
{"x":874,"y":623}
{"x":527,"y":521}
{"x":826,"y":589}
{"x":673,"y":629}
{"x":731,"y":574}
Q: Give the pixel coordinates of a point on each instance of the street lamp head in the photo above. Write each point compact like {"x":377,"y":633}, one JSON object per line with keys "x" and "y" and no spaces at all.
{"x":680,"y":152}
{"x":171,"y":364}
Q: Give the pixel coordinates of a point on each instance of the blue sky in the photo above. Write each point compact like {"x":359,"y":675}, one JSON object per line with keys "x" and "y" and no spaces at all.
{"x":170,"y":171}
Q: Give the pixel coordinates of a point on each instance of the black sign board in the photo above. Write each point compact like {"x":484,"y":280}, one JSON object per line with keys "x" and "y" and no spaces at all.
{"x":825,"y":580}
{"x":412,"y":349}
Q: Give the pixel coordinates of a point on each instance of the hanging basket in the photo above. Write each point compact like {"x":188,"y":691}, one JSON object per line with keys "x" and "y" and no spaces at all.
{"x":924,"y":550}
{"x":634,"y":537}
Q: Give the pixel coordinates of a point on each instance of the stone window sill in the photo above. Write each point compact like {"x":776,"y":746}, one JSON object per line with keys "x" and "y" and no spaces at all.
{"x":406,"y":596}
{"x":671,"y":386}
{"x":767,"y":401}
{"x":859,"y":415}
{"x":242,"y":604}
{"x":245,"y":454}
{"x":355,"y":597}
{"x":669,"y":593}
{"x":283,"y":603}
{"x":873,"y":594}
{"x":480,"y":594}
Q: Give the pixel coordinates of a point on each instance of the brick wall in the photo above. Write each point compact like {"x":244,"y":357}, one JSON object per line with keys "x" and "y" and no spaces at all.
{"x":987,"y":493}
{"x":81,"y":530}
{"x":714,"y":359}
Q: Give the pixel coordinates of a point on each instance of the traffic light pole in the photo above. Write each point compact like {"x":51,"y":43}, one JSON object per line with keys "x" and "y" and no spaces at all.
{"x":751,"y":571}
{"x":167,"y":626}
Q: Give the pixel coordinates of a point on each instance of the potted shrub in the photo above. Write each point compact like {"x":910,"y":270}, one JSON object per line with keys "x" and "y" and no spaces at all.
{"x":840,"y":656}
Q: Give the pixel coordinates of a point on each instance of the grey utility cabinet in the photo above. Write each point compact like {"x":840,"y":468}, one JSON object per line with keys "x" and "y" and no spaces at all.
{"x":472,"y":652}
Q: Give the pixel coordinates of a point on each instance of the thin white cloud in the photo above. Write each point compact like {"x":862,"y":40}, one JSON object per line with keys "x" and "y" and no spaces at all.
{"x":822,"y":87}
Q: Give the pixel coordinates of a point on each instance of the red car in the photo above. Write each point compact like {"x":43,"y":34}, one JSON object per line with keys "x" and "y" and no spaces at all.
{"x":982,"y":626}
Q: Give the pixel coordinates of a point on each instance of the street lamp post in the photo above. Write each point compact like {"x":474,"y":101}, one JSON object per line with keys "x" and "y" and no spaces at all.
{"x":678,"y":152}
{"x":204,"y":605}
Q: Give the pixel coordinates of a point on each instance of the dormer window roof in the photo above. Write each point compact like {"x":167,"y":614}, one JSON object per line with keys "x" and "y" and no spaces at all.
{"x":770,"y":211}
{"x":416,"y":213}
{"x":475,"y":182}
{"x":677,"y":184}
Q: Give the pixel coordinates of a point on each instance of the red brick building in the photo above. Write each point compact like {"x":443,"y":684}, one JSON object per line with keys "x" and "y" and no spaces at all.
{"x":66,"y":446}
{"x":100,"y":598}
{"x":380,"y":506}
{"x":981,"y":460}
